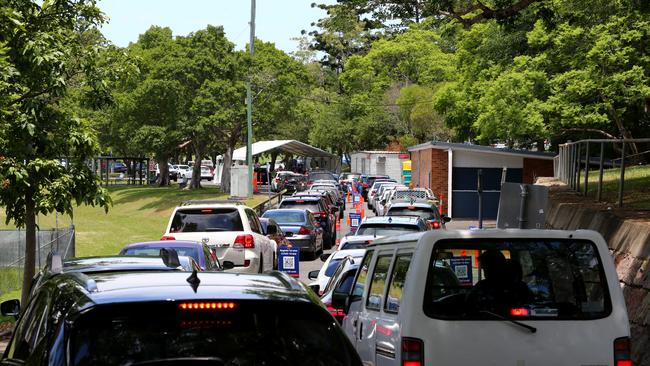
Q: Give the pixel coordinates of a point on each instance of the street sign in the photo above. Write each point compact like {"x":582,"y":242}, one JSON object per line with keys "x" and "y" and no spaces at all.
{"x":289,"y":261}
{"x":462,"y":267}
{"x":355,"y":220}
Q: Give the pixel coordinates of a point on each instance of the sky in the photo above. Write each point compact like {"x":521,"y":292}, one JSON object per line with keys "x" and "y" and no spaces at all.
{"x":277,"y":21}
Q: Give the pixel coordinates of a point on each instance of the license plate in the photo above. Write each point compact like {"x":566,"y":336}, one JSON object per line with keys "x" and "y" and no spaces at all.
{"x":222,"y":245}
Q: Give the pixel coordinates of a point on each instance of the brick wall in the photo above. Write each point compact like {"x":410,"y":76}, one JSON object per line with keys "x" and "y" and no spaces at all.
{"x":430,"y":170}
{"x":535,"y":168}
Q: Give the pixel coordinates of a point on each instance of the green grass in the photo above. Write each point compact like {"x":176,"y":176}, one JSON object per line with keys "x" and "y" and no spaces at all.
{"x":137,"y":214}
{"x":637,"y":184}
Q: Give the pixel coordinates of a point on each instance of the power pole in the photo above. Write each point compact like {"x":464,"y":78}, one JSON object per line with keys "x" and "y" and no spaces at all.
{"x":249,"y":107}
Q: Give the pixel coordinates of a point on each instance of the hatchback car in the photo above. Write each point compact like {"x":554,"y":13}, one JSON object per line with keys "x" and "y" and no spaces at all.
{"x":202,"y":254}
{"x":324,"y":213}
{"x":301,"y":228}
{"x":421,"y":208}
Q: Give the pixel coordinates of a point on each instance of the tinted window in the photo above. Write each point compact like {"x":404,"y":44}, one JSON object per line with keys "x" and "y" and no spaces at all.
{"x":305,"y":205}
{"x":378,"y":282}
{"x":331,"y":267}
{"x":541,"y":279}
{"x":321,"y":176}
{"x":246,"y":335}
{"x":286,"y":217}
{"x":155,"y":251}
{"x":354,"y":245}
{"x":256,"y":226}
{"x":396,"y":285}
{"x":198,"y":220}
{"x":386,"y":229}
{"x":424,"y":212}
{"x":360,"y":284}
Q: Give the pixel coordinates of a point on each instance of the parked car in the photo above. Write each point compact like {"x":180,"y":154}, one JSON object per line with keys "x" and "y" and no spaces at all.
{"x":381,"y":198}
{"x":321,"y":211}
{"x":288,"y":180}
{"x":200,"y":252}
{"x":168,"y":318}
{"x":422,"y":208}
{"x":334,"y":197}
{"x":231,"y":229}
{"x":372,"y":192}
{"x":302,"y":229}
{"x":119,"y":167}
{"x":533,"y":297}
{"x":373,"y":228}
{"x":367,"y":181}
{"x":341,"y":281}
{"x":331,"y":261}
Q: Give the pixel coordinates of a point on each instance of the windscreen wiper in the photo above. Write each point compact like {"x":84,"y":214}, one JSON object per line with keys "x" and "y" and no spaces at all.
{"x":530,"y":328}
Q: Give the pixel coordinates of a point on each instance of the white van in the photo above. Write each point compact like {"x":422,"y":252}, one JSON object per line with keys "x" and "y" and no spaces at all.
{"x":488,"y":297}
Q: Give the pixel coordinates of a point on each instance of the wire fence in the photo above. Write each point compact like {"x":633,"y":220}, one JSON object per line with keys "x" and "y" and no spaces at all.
{"x":605,"y":168}
{"x":12,"y":252}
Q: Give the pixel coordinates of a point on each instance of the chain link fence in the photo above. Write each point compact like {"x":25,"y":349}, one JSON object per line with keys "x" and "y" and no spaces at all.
{"x":12,"y":252}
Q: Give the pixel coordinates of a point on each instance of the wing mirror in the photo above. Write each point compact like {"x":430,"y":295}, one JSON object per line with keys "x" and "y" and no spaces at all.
{"x":227,"y":265}
{"x":313,"y":275}
{"x":10,"y":308}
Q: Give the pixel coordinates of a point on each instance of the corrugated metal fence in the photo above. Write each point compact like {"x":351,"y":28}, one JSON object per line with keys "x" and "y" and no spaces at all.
{"x":12,"y":252}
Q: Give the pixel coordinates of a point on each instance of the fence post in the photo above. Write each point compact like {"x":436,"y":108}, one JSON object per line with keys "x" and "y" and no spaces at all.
{"x":578,"y":168}
{"x":599,"y":192}
{"x":587,"y":161}
{"x":621,"y":182}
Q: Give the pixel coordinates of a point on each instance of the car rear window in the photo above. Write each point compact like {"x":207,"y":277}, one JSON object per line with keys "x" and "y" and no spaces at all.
{"x":155,"y":251}
{"x":519,"y":279}
{"x":206,"y":220}
{"x":386,"y":229}
{"x":312,"y":206}
{"x":286,"y":217}
{"x":321,"y":176}
{"x":425,"y":213}
{"x":257,"y":332}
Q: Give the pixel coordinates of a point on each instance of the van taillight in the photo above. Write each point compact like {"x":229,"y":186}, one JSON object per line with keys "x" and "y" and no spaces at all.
{"x":622,"y":352}
{"x":412,"y":352}
{"x":245,"y":241}
{"x":167,"y":237}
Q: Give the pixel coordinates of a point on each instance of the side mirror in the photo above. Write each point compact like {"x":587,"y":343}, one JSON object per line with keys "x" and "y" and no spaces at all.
{"x":170,"y":257}
{"x":340,"y":300}
{"x":228,"y":265}
{"x":10,"y":308}
{"x":313,"y":275}
{"x":271,"y":230}
{"x":324,"y":256}
{"x":446,"y":218}
{"x":315,"y":287}
{"x":288,"y":234}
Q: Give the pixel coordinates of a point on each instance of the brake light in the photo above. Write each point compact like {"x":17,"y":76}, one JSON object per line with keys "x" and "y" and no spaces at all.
{"x":337,"y":313}
{"x":245,"y":241}
{"x":206,"y":210}
{"x":622,"y":352}
{"x":300,"y":201}
{"x":322,"y":214}
{"x":519,"y":312}
{"x":167,"y":237}
{"x":207,"y":305}
{"x":412,"y":352}
{"x":434,"y":224}
{"x":304,"y":231}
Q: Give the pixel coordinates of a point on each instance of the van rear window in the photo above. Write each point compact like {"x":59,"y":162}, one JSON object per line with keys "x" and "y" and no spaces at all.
{"x":206,"y":220}
{"x":516,"y":279}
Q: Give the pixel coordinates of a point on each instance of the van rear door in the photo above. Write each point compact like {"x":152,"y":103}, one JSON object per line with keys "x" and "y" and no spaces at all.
{"x":519,"y":301}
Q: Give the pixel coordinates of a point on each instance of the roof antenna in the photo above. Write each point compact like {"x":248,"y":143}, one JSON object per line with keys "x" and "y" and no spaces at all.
{"x":194,"y":280}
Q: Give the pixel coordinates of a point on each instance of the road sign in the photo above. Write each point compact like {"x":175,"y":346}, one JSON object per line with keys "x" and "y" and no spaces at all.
{"x":462,"y":267}
{"x":356,"y":198}
{"x":355,"y":220}
{"x":289,"y":261}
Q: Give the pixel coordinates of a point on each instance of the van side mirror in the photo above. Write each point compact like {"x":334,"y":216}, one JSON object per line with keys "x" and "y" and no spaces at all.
{"x":10,"y":308}
{"x":228,"y":265}
{"x":341,"y":300}
{"x":313,"y":275}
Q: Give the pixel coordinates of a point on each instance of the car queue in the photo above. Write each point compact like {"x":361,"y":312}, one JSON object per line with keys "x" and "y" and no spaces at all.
{"x":400,"y":290}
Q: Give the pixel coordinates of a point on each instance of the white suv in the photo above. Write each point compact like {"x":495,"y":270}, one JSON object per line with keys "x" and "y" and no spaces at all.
{"x":231,"y":229}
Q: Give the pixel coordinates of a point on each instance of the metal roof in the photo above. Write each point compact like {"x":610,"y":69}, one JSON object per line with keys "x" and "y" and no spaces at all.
{"x":481,"y":149}
{"x":283,"y":146}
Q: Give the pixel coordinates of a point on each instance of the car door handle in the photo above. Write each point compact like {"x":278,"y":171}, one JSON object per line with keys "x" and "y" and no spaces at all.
{"x":360,"y":330}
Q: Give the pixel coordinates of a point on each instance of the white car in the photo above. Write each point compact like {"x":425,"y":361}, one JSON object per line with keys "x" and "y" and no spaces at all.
{"x":232,"y":230}
{"x":332,"y":260}
{"x":183,"y":170}
{"x":206,"y":173}
{"x":373,"y":228}
{"x":372,"y":193}
{"x":518,"y":297}
{"x":382,"y":198}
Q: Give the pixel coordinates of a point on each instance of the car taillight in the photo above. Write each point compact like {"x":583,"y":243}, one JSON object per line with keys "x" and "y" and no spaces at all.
{"x":412,"y":352}
{"x":167,"y":237}
{"x":245,"y":241}
{"x":304,"y":231}
{"x":434,"y":224}
{"x":519,"y":312}
{"x":622,"y":352}
{"x":337,"y":313}
{"x":207,"y":305}
{"x":321,"y":214}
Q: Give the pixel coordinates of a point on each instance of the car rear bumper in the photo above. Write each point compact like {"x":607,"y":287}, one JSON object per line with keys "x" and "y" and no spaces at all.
{"x":305,"y":244}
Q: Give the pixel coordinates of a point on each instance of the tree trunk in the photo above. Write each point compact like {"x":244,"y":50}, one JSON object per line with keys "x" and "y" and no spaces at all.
{"x":29,"y":268}
{"x":196,"y":169}
{"x":225,"y":175}
{"x":163,"y":179}
{"x":540,"y":145}
{"x":274,"y":157}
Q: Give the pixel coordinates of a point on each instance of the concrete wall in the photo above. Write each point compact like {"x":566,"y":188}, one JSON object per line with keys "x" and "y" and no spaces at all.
{"x":629,"y":243}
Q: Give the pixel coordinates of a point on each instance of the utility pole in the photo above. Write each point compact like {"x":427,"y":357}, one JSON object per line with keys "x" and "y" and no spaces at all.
{"x":249,"y":107}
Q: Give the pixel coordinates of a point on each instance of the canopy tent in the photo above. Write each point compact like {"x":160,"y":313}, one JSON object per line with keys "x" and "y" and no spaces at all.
{"x":325,"y":160}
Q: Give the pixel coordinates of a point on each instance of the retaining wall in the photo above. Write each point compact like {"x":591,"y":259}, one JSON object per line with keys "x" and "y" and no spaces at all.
{"x":629,"y":244}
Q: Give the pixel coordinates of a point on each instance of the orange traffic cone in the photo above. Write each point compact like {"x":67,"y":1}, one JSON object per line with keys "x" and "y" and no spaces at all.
{"x":363,"y":213}
{"x":338,"y":225}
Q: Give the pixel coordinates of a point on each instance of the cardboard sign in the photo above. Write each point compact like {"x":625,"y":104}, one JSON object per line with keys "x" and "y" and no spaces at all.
{"x":462,"y":267}
{"x":289,"y":261}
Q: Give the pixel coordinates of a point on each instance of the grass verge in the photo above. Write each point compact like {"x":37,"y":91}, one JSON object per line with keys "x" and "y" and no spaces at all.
{"x":637,"y":183}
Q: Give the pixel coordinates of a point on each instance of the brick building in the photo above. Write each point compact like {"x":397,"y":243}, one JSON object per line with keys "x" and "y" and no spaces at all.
{"x":431,"y":164}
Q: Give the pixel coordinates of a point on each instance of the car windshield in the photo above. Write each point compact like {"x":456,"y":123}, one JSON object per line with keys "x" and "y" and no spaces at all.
{"x":250,"y":333}
{"x":209,"y":219}
{"x":312,"y":206}
{"x":425,"y":213}
{"x":354,"y":245}
{"x":285,"y":216}
{"x":522,"y":278}
{"x":154,"y":251}
{"x":386,"y":229}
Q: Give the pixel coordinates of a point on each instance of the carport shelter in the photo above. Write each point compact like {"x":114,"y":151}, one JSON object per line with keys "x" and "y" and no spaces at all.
{"x":324,"y":159}
{"x":431,"y":164}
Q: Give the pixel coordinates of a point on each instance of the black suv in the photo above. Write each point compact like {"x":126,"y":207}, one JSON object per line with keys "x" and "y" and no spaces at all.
{"x":324,"y":214}
{"x":168,"y":318}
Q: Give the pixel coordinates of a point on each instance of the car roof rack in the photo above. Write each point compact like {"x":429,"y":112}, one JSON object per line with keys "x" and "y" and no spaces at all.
{"x":212,"y":202}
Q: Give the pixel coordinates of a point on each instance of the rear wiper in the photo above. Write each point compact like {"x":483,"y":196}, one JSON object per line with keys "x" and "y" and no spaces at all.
{"x":530,"y":328}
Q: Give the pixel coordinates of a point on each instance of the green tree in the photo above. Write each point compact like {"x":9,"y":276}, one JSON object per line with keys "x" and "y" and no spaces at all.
{"x":42,"y":49}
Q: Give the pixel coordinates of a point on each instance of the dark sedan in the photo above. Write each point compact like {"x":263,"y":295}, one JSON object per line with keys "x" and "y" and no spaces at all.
{"x":301,"y":228}
{"x":199,"y":251}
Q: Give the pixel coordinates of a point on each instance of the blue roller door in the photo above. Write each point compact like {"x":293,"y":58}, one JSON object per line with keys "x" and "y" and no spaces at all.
{"x":465,"y":195}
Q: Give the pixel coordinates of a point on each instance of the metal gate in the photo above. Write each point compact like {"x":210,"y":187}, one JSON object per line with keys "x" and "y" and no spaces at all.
{"x":465,"y":194}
